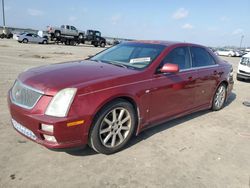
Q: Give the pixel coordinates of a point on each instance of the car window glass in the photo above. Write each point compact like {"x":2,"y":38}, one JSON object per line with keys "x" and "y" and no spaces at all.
{"x":73,"y":28}
{"x":67,"y":27}
{"x":29,"y":35}
{"x":62,"y":26}
{"x":200,"y":57}
{"x":179,"y":56}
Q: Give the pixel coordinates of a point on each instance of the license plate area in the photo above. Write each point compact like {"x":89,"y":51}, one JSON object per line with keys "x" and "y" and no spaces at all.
{"x":20,"y":128}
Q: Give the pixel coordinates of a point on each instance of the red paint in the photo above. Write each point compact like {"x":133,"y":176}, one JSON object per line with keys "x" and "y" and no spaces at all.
{"x":158,"y":97}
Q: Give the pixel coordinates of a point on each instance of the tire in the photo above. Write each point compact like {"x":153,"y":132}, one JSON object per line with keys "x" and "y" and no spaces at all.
{"x":96,"y":44}
{"x":57,"y":34}
{"x":113,"y":127}
{"x":230,"y":55}
{"x":25,"y":40}
{"x":102,"y":44}
{"x":80,"y":36}
{"x":45,"y":42}
{"x":219,"y":97}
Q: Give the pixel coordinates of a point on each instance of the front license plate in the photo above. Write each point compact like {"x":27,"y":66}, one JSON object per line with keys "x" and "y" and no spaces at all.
{"x":23,"y":130}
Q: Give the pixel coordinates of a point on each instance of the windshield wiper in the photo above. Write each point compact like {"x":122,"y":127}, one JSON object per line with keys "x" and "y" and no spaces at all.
{"x":119,"y":65}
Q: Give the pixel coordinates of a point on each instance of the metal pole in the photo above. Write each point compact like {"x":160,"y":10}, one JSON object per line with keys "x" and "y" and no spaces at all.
{"x":241,"y":40}
{"x":3,"y":14}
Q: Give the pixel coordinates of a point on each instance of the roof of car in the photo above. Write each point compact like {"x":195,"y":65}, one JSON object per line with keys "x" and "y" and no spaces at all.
{"x":165,"y":43}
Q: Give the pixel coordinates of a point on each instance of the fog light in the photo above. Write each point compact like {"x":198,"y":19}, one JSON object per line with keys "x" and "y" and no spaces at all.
{"x":48,"y":128}
{"x":49,"y":138}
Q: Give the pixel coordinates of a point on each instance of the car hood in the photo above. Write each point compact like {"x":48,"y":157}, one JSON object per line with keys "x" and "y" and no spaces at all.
{"x":52,"y":78}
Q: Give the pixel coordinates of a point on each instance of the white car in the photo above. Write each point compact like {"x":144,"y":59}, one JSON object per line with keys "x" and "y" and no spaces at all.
{"x":30,"y":37}
{"x":225,"y":52}
{"x":244,"y":68}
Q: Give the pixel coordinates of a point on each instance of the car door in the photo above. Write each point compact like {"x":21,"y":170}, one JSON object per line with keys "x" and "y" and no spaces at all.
{"x":36,"y":38}
{"x":73,"y":31}
{"x":208,"y":75}
{"x":29,"y":37}
{"x":173,"y":93}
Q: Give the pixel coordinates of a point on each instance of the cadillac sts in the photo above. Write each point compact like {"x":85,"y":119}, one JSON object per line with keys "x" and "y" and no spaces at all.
{"x":106,"y":99}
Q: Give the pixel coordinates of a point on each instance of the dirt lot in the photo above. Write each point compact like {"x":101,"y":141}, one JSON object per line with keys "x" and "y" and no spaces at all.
{"x":205,"y":149}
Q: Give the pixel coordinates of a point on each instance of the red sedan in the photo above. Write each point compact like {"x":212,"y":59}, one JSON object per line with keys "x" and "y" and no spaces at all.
{"x":105,"y":100}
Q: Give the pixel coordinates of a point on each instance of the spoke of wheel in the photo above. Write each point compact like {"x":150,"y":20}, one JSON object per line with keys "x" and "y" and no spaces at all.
{"x":113,"y":140}
{"x":120,"y":136}
{"x":107,"y":138}
{"x":125,"y":119}
{"x":125,"y":128}
{"x":121,"y":114}
{"x":105,"y":130}
{"x":108,"y":121}
{"x":114,"y":115}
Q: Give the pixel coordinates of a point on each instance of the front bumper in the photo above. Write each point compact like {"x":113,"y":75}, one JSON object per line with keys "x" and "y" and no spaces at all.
{"x":243,"y":76}
{"x":66,"y":136}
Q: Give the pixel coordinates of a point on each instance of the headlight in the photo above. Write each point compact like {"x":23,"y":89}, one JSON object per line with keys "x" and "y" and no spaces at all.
{"x":61,"y":102}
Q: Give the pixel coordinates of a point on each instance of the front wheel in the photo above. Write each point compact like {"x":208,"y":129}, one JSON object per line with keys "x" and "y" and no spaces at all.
{"x":25,"y":41}
{"x":113,"y":128}
{"x":102,"y":44}
{"x":219,"y":97}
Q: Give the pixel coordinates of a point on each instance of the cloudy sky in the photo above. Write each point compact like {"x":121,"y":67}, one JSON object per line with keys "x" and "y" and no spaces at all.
{"x":213,"y":23}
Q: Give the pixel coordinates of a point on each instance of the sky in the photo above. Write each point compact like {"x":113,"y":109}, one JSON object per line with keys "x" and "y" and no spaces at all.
{"x":211,"y":22}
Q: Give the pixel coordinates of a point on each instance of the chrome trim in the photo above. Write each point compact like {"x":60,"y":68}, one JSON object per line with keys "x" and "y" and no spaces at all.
{"x":30,"y":88}
{"x":196,"y":68}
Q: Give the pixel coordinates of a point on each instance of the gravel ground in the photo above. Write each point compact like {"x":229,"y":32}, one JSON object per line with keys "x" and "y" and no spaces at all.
{"x":204,"y":149}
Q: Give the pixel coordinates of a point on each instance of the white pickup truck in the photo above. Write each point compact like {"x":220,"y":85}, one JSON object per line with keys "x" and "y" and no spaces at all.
{"x":65,"y":30}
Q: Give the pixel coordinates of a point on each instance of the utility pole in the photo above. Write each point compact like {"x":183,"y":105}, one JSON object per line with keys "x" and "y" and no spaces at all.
{"x":241,"y":39}
{"x":3,"y":14}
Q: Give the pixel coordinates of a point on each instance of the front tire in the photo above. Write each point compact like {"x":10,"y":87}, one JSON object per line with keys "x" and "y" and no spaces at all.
{"x":113,"y":127}
{"x":25,"y":40}
{"x":219,"y":97}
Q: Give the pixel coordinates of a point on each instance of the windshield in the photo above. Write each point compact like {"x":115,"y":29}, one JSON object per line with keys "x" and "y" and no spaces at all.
{"x":130,"y":55}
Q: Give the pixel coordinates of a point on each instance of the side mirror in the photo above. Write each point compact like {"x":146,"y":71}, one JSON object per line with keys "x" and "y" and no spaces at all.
{"x":169,"y":68}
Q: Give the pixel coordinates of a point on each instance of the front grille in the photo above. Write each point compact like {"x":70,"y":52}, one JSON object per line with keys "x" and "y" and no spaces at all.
{"x":24,"y":96}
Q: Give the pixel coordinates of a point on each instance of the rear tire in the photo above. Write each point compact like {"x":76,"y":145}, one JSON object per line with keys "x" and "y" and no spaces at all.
{"x":45,"y":42}
{"x":102,"y":44}
{"x":219,"y":97}
{"x":113,"y":127}
{"x":57,"y":34}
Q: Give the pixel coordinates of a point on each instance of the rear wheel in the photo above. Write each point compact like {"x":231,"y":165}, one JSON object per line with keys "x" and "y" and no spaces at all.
{"x":102,"y":44}
{"x":25,"y":40}
{"x":45,"y":42}
{"x":113,"y":128}
{"x":57,"y":34}
{"x":219,"y":97}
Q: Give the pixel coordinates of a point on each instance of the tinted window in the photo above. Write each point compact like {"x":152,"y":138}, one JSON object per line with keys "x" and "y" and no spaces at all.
{"x":73,"y":28}
{"x":67,"y":27}
{"x":29,"y":35}
{"x":179,"y":56}
{"x":200,"y":57}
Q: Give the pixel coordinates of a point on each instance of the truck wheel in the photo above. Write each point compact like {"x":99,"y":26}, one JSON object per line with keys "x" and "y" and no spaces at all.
{"x":102,"y":44}
{"x":25,"y":40}
{"x":57,"y":33}
{"x":96,"y":44}
{"x":80,"y":36}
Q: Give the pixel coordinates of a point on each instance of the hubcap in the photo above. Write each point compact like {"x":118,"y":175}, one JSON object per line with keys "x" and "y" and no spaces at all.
{"x":115,"y":127}
{"x":220,"y":96}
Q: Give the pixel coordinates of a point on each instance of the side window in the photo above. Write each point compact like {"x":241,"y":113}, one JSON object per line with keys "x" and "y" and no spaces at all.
{"x":67,"y":27}
{"x":200,"y":57}
{"x":62,"y":26}
{"x":179,"y":56}
{"x":72,"y":28}
{"x":29,"y":35}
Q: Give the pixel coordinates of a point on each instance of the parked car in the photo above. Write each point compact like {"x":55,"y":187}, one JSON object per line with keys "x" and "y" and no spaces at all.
{"x":106,"y":99}
{"x":244,"y":68}
{"x":225,"y":52}
{"x":30,"y":38}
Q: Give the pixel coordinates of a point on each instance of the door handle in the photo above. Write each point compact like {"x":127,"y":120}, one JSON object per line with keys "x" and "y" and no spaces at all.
{"x":215,"y":72}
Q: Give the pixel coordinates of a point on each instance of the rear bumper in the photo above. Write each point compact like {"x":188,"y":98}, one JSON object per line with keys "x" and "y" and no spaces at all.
{"x":66,"y":136}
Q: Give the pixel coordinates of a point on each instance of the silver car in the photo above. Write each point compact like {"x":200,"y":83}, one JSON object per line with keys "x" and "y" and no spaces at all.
{"x":30,"y":37}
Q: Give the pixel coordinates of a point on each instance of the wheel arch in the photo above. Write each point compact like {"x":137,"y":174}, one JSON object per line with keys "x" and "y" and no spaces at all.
{"x":218,"y":85}
{"x":126,"y":98}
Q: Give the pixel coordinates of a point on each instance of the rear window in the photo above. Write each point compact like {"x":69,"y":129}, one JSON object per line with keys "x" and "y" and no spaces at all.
{"x":201,"y":57}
